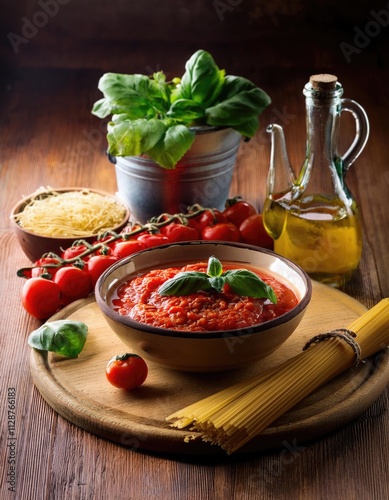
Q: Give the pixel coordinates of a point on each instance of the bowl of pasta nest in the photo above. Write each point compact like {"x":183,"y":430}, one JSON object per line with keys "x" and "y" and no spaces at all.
{"x":203,"y":306}
{"x":51,"y":220}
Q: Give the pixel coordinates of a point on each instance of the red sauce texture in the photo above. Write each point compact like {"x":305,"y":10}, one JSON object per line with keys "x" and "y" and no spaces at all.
{"x":200,"y":311}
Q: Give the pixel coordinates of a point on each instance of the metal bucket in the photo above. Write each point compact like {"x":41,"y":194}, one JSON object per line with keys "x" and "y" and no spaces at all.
{"x":202,"y":176}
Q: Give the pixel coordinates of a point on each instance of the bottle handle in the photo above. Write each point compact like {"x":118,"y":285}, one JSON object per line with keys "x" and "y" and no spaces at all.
{"x":361,"y":134}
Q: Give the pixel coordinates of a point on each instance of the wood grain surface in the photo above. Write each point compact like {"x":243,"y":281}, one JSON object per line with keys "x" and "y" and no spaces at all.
{"x":49,"y":137}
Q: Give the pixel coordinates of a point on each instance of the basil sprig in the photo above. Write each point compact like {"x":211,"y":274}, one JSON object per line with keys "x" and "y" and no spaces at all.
{"x":242,"y":282}
{"x":64,"y":337}
{"x":154,"y":117}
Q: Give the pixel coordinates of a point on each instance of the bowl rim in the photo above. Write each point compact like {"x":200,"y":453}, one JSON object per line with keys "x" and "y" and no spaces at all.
{"x":218,"y":334}
{"x":17,"y":208}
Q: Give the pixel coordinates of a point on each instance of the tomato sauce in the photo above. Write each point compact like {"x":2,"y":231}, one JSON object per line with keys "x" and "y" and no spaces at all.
{"x":201,"y":311}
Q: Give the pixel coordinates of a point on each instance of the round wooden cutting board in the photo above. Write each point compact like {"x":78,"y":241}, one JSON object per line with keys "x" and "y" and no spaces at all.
{"x":78,"y":390}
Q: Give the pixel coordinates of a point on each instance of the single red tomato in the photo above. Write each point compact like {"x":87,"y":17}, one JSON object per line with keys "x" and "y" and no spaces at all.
{"x":209,"y":218}
{"x":41,"y":297}
{"x":75,"y":251}
{"x":125,"y":248}
{"x":127,"y":371}
{"x":97,"y":264}
{"x":194,"y":223}
{"x":41,"y":269}
{"x":225,"y":231}
{"x":178,"y":232}
{"x":74,"y":283}
{"x":238,"y":212}
{"x":153,"y":240}
{"x":254,"y":233}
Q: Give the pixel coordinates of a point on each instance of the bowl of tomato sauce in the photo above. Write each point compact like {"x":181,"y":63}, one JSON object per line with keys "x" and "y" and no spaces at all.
{"x":206,"y":329}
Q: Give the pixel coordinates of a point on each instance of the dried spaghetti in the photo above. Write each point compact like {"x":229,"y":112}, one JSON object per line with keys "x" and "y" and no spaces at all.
{"x":232,"y":417}
{"x":70,"y":214}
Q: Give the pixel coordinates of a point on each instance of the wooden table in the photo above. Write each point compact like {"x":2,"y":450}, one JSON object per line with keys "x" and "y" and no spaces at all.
{"x":49,"y":137}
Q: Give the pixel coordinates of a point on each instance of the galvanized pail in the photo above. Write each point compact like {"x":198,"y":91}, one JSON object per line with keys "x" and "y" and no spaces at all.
{"x":202,"y":176}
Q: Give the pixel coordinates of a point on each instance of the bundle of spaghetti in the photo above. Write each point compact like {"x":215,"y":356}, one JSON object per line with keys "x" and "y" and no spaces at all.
{"x":233,"y":416}
{"x":71,"y":213}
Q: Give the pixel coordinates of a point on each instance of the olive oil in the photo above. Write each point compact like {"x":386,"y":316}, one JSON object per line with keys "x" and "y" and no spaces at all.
{"x":320,"y":235}
{"x":313,"y":217}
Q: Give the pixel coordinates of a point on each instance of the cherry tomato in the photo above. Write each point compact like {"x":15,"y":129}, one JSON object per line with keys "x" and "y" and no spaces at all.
{"x":125,"y":248}
{"x":105,"y":249}
{"x":179,"y":232}
{"x":209,"y":218}
{"x":97,"y":265}
{"x":127,"y":371}
{"x":74,"y":283}
{"x":253,"y":232}
{"x":238,"y":212}
{"x":153,"y":240}
{"x":222,"y":231}
{"x":75,"y":251}
{"x":42,"y":270}
{"x":41,"y":297}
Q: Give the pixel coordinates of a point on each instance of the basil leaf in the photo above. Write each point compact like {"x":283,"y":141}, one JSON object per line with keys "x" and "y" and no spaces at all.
{"x":217,"y":282}
{"x":133,"y":137}
{"x":137,"y":95}
{"x":240,"y":102}
{"x":202,"y":81}
{"x":102,"y":108}
{"x":214,"y":267}
{"x":62,"y":337}
{"x":248,"y":129}
{"x":172,"y":146}
{"x":185,"y":283}
{"x":186,"y":110}
{"x":244,"y":282}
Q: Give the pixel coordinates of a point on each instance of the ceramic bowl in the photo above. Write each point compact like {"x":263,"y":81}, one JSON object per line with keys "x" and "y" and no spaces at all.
{"x":35,"y":245}
{"x":211,"y":351}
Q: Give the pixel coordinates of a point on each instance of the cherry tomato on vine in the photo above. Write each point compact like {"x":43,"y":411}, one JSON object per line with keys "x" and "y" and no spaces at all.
{"x":74,"y":283}
{"x":222,"y":231}
{"x":153,"y":240}
{"x":125,"y":248}
{"x":75,"y":251}
{"x":209,"y":218}
{"x":179,"y":232}
{"x":97,"y":264}
{"x":41,"y":297}
{"x":40,"y":268}
{"x":254,"y":233}
{"x":105,"y":248}
{"x":239,"y":211}
{"x":127,"y":371}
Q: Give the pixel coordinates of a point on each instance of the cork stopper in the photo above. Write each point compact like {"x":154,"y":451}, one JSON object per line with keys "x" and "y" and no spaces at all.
{"x":323,"y":82}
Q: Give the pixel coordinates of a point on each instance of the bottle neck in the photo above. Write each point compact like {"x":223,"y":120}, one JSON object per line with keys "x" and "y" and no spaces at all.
{"x":319,"y":174}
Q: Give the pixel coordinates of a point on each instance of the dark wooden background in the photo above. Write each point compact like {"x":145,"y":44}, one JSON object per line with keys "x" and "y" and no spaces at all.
{"x":50,"y":63}
{"x":245,"y":35}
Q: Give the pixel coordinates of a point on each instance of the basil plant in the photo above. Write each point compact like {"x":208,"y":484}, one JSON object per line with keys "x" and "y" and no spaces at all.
{"x":154,"y":117}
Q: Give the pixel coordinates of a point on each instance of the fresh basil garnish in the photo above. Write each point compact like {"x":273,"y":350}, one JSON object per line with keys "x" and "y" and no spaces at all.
{"x":62,"y":337}
{"x":203,"y":96}
{"x":242,"y":282}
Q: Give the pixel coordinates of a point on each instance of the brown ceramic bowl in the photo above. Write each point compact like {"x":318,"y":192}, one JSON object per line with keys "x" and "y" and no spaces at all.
{"x":35,"y":245}
{"x":211,"y":351}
